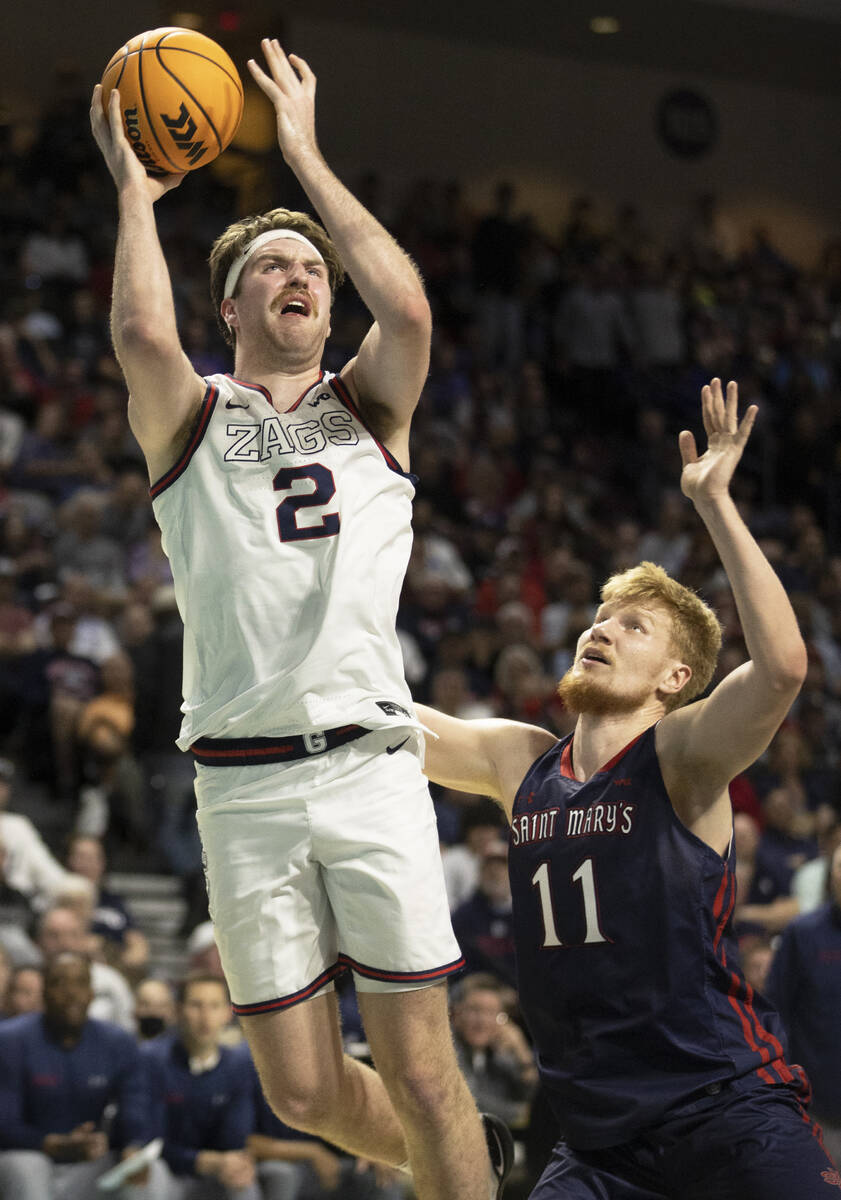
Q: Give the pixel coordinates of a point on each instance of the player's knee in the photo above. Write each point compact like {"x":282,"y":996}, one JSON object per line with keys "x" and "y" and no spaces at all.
{"x":423,"y":1089}
{"x":303,"y":1105}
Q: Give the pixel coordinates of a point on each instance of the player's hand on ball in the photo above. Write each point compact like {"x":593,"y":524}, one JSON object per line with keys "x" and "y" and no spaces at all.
{"x":708,"y":476}
{"x":122,"y":162}
{"x":290,"y":85}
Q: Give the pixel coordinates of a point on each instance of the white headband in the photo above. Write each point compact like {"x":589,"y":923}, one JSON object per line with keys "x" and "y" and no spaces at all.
{"x":271,"y":235}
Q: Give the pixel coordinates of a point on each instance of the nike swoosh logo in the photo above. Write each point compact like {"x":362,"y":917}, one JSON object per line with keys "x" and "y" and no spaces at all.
{"x":394,"y":749}
{"x":230,"y":404}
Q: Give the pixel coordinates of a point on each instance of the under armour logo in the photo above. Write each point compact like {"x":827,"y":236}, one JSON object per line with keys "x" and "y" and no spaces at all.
{"x":182,"y":129}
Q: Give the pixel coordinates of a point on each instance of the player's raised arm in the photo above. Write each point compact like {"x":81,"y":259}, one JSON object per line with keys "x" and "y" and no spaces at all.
{"x":389,"y":371}
{"x":716,"y":738}
{"x":486,"y":757}
{"x":165,"y":391}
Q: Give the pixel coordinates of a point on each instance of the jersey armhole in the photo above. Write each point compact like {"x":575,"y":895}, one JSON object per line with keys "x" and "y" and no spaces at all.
{"x":193,"y":442}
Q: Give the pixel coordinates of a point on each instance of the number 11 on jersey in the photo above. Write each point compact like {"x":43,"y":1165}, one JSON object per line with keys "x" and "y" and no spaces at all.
{"x":584,"y":876}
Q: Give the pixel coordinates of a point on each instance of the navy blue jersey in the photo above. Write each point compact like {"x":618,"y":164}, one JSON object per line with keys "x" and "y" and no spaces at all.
{"x":628,"y":970}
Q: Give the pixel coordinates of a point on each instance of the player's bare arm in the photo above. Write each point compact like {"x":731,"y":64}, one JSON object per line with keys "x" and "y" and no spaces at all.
{"x":703,"y":746}
{"x":165,"y":391}
{"x":486,"y":757}
{"x":388,"y":373}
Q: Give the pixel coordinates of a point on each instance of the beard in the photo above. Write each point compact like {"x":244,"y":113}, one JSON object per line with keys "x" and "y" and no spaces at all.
{"x":581,"y":693}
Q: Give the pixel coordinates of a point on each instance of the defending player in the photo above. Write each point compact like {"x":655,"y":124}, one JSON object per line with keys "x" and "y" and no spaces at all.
{"x":666,"y":1071}
{"x":285,"y":504}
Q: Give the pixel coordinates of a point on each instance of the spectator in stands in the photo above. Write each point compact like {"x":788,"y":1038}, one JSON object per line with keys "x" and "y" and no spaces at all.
{"x":14,"y":906}
{"x":809,"y":882}
{"x":60,"y":1073}
{"x":497,"y":249}
{"x":61,"y":929}
{"x":810,"y":793}
{"x":82,"y":548}
{"x":112,"y":797}
{"x":25,"y":992}
{"x":481,"y":824}
{"x":55,"y":254}
{"x":493,"y":1052}
{"x":154,"y":1008}
{"x":17,"y":634}
{"x":29,"y":868}
{"x":121,"y":942}
{"x":202,"y":1099}
{"x":595,"y":333}
{"x":53,"y":685}
{"x":658,"y":312}
{"x":202,"y":951}
{"x":48,"y":461}
{"x":668,"y":544}
{"x":782,"y":849}
{"x":804,"y":984}
{"x":126,"y":514}
{"x":483,"y":923}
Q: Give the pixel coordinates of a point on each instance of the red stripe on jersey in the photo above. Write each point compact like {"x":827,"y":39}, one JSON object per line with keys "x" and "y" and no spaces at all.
{"x":780,"y":1065}
{"x":280,"y":748}
{"x":254,"y":387}
{"x":815,"y":1128}
{"x":344,"y":395}
{"x":763,"y":1051}
{"x":566,"y":766}
{"x":248,"y":1010}
{"x":724,"y":917}
{"x":204,"y":418}
{"x":305,"y":391}
{"x":401,"y":976}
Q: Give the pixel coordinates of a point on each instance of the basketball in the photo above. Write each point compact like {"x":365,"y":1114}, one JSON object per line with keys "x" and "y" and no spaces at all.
{"x":181,"y":98}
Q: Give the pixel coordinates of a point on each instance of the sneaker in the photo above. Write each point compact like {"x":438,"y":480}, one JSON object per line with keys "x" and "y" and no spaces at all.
{"x":500,"y":1148}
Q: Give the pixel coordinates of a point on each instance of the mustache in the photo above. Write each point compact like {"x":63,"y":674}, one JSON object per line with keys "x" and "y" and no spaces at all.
{"x":295,"y":294}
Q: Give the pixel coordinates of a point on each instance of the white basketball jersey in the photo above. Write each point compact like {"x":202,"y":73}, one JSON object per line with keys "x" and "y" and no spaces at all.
{"x":288,"y":535}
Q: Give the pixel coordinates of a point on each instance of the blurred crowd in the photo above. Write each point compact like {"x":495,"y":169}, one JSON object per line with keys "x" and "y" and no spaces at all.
{"x":564,"y":364}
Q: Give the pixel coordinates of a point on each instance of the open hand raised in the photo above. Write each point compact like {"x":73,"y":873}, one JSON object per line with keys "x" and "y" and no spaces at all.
{"x":290,"y":85}
{"x":708,"y":475}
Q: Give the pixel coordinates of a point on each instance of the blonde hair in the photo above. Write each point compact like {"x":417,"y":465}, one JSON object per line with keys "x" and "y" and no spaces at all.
{"x":695,"y":633}
{"x":230,"y":244}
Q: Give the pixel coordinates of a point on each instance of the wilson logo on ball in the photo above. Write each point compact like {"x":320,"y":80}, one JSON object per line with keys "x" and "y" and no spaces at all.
{"x":136,"y":138}
{"x":182,"y":129}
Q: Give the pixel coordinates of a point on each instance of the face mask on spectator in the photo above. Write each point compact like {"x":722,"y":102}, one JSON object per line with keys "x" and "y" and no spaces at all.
{"x":149,"y":1027}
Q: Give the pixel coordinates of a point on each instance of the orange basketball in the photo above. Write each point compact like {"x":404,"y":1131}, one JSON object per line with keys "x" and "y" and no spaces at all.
{"x":180,"y":95}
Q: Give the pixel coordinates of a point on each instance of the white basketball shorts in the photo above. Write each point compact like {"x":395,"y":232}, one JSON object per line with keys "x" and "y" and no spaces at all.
{"x":322,"y":864}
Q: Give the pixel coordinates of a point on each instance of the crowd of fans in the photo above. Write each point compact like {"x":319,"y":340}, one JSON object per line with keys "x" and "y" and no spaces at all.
{"x":563,"y":366}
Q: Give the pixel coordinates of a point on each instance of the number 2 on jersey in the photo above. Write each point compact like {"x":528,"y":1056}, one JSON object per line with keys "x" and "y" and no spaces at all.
{"x":584,"y":876}
{"x":324,"y":489}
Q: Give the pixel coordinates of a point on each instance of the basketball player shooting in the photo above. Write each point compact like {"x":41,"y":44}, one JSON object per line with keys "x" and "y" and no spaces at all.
{"x":666,"y":1071}
{"x":284,"y":499}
